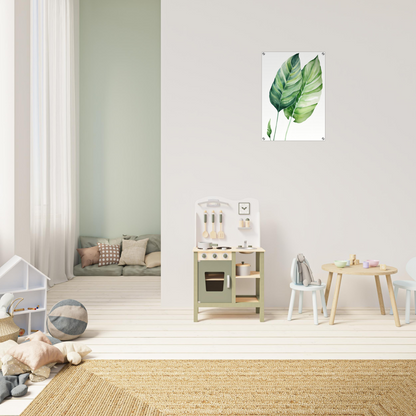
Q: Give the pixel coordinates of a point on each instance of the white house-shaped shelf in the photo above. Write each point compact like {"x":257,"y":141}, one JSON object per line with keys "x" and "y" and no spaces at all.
{"x":19,"y":277}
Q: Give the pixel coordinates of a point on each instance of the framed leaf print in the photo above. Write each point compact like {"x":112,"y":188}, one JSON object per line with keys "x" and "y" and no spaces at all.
{"x":293,"y":96}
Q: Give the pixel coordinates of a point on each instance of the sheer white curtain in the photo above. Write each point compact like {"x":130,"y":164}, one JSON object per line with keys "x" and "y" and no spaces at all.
{"x":53,"y":139}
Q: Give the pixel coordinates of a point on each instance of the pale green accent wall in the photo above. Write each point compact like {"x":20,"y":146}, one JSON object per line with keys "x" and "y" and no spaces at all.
{"x":119,"y":117}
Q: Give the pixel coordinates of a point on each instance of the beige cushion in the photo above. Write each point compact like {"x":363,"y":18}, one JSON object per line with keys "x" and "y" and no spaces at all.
{"x":13,"y":367}
{"x":67,"y":348}
{"x":153,"y":259}
{"x":109,"y":254}
{"x":89,"y":256}
{"x":133,"y":253}
{"x":4,"y":347}
{"x":39,"y":336}
{"x":36,"y":354}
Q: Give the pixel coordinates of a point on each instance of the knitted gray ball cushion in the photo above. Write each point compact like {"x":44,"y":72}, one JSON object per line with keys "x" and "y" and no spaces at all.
{"x":67,"y":320}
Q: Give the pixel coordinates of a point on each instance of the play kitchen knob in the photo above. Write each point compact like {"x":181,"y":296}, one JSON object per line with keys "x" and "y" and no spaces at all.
{"x":214,"y":256}
{"x":225,"y":255}
{"x":204,"y":256}
{"x":243,"y":269}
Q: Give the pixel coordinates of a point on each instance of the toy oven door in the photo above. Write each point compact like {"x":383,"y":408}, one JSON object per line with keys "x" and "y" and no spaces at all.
{"x":214,"y":281}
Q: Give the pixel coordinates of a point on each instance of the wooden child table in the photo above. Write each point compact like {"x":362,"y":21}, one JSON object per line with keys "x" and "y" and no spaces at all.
{"x":360,"y":271}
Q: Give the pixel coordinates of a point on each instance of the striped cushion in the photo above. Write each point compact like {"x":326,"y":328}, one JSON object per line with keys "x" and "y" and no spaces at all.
{"x":67,"y":320}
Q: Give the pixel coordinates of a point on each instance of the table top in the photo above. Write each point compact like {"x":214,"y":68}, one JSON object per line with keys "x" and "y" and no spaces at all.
{"x":359,"y":270}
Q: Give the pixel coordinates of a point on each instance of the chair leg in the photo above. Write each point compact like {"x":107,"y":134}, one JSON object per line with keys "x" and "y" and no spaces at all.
{"x":415,"y":301}
{"x":300,"y":301}
{"x":324,"y":303}
{"x":315,"y":308}
{"x":292,"y":304}
{"x":407,"y":316}
{"x":396,"y":291}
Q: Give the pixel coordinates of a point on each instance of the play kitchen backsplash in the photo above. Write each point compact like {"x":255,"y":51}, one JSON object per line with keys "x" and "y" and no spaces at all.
{"x":223,"y":222}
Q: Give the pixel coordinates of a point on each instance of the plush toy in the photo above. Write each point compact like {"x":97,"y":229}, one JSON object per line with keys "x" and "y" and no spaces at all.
{"x":13,"y":386}
{"x":305,"y":272}
{"x":5,"y":302}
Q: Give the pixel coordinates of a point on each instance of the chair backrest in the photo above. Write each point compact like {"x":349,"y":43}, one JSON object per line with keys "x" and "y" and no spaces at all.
{"x":411,"y":268}
{"x":293,"y":270}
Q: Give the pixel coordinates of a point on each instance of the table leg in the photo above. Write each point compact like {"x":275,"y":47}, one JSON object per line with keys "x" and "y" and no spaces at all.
{"x":260,"y":264}
{"x":257,"y":292}
{"x":380,"y":295}
{"x":327,"y":289}
{"x":335,"y":301}
{"x":393,"y":301}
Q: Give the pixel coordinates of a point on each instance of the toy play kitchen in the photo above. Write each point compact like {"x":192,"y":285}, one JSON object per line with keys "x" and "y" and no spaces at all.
{"x":216,"y":270}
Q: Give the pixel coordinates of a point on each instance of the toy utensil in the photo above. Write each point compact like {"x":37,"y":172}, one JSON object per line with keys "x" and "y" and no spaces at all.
{"x":213,"y":233}
{"x":205,"y":233}
{"x":221,"y":233}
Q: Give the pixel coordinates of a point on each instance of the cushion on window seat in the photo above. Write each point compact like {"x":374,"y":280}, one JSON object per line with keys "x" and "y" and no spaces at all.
{"x":86,"y":242}
{"x":94,"y":270}
{"x":141,"y":271}
{"x":154,"y":243}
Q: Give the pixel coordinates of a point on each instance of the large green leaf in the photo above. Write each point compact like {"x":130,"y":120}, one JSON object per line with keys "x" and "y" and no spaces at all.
{"x":309,"y":94}
{"x":287,"y":83}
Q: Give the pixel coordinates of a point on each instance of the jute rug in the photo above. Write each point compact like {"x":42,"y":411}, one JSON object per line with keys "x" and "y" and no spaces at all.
{"x":230,"y":387}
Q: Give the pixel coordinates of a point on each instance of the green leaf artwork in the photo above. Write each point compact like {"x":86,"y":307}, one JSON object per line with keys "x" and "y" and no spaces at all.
{"x":286,"y":86}
{"x":269,"y":129}
{"x":296,"y":91}
{"x":308,"y":96}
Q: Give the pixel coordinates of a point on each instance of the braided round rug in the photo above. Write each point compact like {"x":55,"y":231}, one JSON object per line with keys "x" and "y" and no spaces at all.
{"x":230,"y":387}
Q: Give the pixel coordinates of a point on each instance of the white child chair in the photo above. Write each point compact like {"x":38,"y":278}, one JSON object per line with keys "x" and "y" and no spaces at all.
{"x":408,"y":285}
{"x":300,"y":288}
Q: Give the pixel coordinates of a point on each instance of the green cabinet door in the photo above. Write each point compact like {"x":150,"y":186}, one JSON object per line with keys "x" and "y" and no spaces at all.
{"x":214,"y":281}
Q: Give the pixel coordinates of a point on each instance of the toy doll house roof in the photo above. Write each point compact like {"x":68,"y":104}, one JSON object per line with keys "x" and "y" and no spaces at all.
{"x":15,"y":262}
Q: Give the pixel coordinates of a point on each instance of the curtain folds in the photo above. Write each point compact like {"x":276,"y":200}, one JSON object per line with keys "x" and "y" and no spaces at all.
{"x":54,"y":189}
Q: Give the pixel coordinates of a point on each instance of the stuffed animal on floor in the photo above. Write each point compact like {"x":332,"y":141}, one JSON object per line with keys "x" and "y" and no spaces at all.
{"x":5,"y":302}
{"x":13,"y":386}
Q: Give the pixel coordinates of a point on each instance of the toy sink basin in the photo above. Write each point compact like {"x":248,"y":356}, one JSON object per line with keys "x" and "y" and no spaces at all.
{"x":340,"y":263}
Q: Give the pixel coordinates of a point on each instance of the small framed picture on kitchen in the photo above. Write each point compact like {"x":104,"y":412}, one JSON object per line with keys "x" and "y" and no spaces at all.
{"x":244,"y":208}
{"x":293,"y":96}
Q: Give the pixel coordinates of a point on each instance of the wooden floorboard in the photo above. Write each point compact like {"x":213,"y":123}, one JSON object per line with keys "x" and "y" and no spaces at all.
{"x":126,"y":321}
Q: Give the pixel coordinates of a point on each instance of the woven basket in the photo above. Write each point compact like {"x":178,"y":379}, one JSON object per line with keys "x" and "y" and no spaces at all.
{"x":8,"y":329}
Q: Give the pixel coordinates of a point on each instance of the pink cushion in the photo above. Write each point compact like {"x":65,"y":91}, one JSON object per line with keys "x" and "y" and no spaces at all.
{"x":36,"y":354}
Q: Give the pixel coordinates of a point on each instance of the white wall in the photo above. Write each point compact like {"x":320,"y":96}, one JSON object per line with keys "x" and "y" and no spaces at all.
{"x":15,"y":129}
{"x":22,"y":129}
{"x":353,"y":193}
{"x":6,"y":130}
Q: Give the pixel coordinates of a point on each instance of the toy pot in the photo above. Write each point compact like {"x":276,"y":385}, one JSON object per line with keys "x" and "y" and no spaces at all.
{"x":366,"y":264}
{"x":243,"y":269}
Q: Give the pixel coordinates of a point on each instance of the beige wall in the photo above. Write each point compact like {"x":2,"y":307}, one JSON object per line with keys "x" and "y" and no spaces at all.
{"x":6,"y":130}
{"x":119,"y":117}
{"x":14,"y":129}
{"x":353,"y":193}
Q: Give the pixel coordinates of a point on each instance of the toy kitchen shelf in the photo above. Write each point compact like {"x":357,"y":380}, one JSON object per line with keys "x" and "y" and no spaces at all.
{"x":215,"y":280}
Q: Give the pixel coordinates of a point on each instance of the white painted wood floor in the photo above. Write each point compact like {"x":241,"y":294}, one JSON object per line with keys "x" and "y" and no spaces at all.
{"x":126,"y":321}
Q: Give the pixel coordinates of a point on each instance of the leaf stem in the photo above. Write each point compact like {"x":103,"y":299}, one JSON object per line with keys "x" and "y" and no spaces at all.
{"x":290,"y":119}
{"x":275,"y":127}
